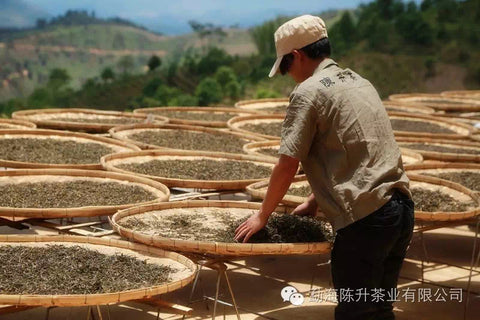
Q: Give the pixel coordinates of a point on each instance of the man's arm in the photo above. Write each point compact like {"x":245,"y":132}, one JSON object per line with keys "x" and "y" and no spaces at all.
{"x":280,"y":180}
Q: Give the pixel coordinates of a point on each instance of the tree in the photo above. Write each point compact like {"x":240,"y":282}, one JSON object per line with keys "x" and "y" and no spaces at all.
{"x":343,"y":34}
{"x":225,"y":75}
{"x":263,"y":35}
{"x":233,"y":89}
{"x":107,"y":74}
{"x":154,"y":62}
{"x":58,"y":78}
{"x":214,"y":58}
{"x":125,"y":64}
{"x":208,"y":91}
{"x":41,"y":23}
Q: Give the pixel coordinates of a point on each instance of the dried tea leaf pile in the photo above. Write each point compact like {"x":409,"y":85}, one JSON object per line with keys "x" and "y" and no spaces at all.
{"x":468,"y":179}
{"x":418,"y":126}
{"x":71,"y":194}
{"x":266,"y":128}
{"x":431,"y":201}
{"x":53,"y":151}
{"x":192,"y":115}
{"x":201,"y":169}
{"x":439,"y":148}
{"x":116,"y":120}
{"x":220,"y":226}
{"x":303,"y":191}
{"x":191,"y":140}
{"x":57,"y":269}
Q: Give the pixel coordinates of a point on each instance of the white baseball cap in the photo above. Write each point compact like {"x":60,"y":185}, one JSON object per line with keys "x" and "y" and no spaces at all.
{"x":296,"y":34}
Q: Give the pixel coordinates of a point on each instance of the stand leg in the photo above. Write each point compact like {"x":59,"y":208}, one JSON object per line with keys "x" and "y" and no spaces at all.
{"x":47,"y":315}
{"x":425,"y":254}
{"x":216,"y":296}
{"x":108,"y":312}
{"x":472,"y":265}
{"x":99,"y":312}
{"x":231,"y":294}
{"x":195,"y":281}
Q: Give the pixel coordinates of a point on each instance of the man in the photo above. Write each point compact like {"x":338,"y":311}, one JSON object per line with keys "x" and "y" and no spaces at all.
{"x":337,"y":127}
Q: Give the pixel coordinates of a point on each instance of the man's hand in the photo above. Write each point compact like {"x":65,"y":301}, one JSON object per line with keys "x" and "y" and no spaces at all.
{"x":308,"y":208}
{"x":251,"y":226}
{"x":282,"y":175}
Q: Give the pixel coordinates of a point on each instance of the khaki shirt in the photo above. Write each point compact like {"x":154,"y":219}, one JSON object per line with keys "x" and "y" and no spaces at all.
{"x":337,"y":126}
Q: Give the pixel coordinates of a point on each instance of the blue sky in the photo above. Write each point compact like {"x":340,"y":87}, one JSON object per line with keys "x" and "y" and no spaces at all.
{"x":163,"y":15}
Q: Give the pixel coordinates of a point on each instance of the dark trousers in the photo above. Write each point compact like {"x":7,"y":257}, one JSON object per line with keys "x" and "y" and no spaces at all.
{"x":366,"y":260}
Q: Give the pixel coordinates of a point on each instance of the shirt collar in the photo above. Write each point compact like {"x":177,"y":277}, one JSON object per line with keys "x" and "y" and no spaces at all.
{"x":327,"y":62}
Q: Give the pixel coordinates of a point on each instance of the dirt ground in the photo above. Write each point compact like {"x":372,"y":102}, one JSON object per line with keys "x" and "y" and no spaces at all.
{"x":257,"y":283}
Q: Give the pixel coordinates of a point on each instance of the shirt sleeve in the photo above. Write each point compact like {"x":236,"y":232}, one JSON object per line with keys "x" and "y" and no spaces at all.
{"x":298,"y":128}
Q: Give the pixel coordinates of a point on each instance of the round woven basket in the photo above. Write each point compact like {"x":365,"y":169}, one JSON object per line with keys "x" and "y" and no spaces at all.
{"x":393,"y":106}
{"x":410,"y":156}
{"x":184,"y":267}
{"x":272,"y":105}
{"x":110,"y":162}
{"x":258,"y":190}
{"x":236,"y":124}
{"x":16,"y":124}
{"x":439,"y":169}
{"x":160,"y":191}
{"x":437,"y":101}
{"x":211,"y":247}
{"x":467,"y":119}
{"x":256,"y":148}
{"x":91,"y":119}
{"x":447,"y":155}
{"x":115,"y":145}
{"x":423,"y":123}
{"x":124,"y":133}
{"x":462,"y":94}
{"x":475,"y":137}
{"x":259,"y":148}
{"x":224,"y":113}
{"x":455,"y":190}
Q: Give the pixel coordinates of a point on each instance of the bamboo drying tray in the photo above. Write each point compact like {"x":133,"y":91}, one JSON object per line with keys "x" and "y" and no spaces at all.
{"x":186,"y":270}
{"x":110,"y":162}
{"x":437,"y":101}
{"x":463,"y":118}
{"x":52,"y":175}
{"x":461,"y":130}
{"x":444,"y":167}
{"x":462,"y":94}
{"x":410,"y":156}
{"x":16,"y":124}
{"x":117,"y":146}
{"x":258,"y":190}
{"x":393,"y":106}
{"x":156,"y":111}
{"x":45,"y":118}
{"x":475,"y":137}
{"x":211,"y":247}
{"x":253,"y":148}
{"x":443,"y":156}
{"x":453,"y":189}
{"x":236,"y":123}
{"x":263,"y":105}
{"x":123,"y":133}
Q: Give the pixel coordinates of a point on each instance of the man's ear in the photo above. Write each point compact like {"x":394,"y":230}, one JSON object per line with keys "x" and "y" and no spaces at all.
{"x":299,"y":55}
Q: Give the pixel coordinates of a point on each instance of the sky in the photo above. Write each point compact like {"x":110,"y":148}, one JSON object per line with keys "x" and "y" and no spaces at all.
{"x":172,"y":16}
